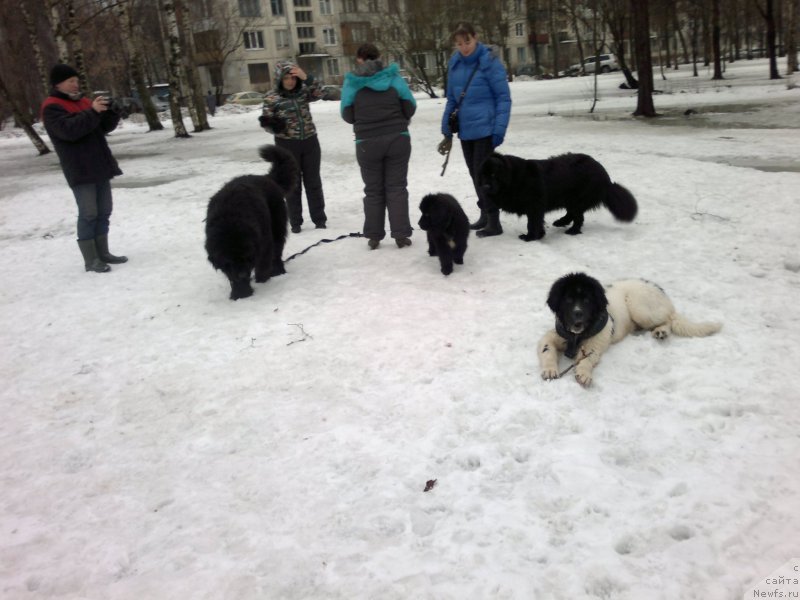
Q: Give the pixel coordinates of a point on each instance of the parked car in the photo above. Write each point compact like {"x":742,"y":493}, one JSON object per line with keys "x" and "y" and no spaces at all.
{"x":608,"y":63}
{"x":161,"y":103}
{"x":529,"y":70}
{"x":127,"y":106}
{"x":331,"y":92}
{"x":245,"y":98}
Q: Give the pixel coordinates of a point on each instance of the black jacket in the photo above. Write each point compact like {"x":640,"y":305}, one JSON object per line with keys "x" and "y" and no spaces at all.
{"x":79,"y":136}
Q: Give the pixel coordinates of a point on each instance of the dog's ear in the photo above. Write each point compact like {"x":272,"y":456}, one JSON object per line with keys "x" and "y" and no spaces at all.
{"x":556,"y":294}
{"x":598,"y":292}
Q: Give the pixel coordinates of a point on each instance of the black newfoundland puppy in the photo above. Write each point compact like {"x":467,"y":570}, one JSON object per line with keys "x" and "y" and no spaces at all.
{"x":590,"y":317}
{"x":575,"y":182}
{"x":246,"y":223}
{"x":447,"y":227}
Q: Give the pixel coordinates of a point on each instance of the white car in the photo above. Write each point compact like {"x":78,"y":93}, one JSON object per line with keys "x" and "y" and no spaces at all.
{"x":608,"y":63}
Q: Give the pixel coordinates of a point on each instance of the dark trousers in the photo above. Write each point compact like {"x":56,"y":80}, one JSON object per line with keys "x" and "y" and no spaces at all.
{"x":308,"y":155}
{"x":94,"y":209}
{"x":384,"y":169}
{"x":475,"y":152}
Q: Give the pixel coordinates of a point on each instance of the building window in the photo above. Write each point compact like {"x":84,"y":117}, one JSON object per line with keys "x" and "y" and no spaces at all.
{"x":329,"y":36}
{"x":282,"y":38}
{"x":519,"y":29}
{"x":258,"y":72}
{"x":305,"y":33}
{"x":351,"y":6}
{"x":518,"y":6}
{"x":521,"y":55}
{"x":325,"y":7}
{"x":302,"y":16}
{"x":372,"y":6}
{"x":394,"y":7}
{"x":302,"y":3}
{"x":308,"y":48}
{"x":421,"y":61}
{"x":277,"y":7}
{"x":360,"y":32}
{"x":333,"y":66}
{"x":253,"y":40}
{"x":249,"y":8}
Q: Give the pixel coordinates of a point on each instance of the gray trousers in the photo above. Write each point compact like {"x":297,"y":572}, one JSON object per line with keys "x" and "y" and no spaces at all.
{"x":384,"y":169}
{"x":94,"y":209}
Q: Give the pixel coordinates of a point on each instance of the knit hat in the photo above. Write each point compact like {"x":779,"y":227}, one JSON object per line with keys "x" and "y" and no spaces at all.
{"x":282,"y":67}
{"x":61,"y":73}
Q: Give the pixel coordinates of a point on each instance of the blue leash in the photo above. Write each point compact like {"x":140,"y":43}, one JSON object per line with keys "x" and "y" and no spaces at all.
{"x":357,"y":234}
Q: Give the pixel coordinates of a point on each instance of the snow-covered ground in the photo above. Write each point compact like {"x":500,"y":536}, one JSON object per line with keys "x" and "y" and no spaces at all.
{"x":160,"y":441}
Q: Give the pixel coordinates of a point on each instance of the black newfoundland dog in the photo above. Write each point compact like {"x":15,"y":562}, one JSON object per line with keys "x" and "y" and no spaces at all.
{"x":246,"y":223}
{"x":590,"y":317}
{"x":575,"y":182}
{"x":447,"y":227}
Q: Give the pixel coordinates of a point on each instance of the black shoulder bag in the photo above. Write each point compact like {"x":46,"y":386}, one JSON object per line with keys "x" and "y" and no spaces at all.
{"x":452,"y":120}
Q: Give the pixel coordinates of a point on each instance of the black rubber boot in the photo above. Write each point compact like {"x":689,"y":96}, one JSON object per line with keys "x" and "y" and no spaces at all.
{"x":480,"y":223}
{"x":493,"y":226}
{"x":101,"y":242}
{"x":90,"y":260}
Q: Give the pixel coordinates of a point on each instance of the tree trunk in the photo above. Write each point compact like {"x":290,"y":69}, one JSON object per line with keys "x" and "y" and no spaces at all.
{"x":791,"y":37}
{"x":54,"y":17}
{"x":137,"y":71}
{"x":715,"y":40}
{"x":167,"y":9}
{"x":36,"y":49}
{"x":23,"y":119}
{"x":196,"y":95}
{"x":641,"y":32}
{"x":769,"y":17}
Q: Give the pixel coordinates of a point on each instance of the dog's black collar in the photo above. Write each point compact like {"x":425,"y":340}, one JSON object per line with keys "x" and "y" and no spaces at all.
{"x":574,"y":339}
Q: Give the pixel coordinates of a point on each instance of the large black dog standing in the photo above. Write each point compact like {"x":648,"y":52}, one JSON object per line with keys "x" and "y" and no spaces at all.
{"x":447,"y":227}
{"x":246,"y":223}
{"x":575,"y":182}
{"x":589,"y":318}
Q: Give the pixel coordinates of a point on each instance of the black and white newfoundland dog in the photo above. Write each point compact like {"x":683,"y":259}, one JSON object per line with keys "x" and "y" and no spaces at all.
{"x":246,"y":223}
{"x":447,"y":227}
{"x":589,"y":318}
{"x":575,"y":182}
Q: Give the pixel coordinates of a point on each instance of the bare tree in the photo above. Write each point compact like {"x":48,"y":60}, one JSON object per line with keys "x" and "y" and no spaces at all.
{"x":616,"y":15}
{"x":136,"y":66}
{"x":715,"y":39}
{"x":767,"y":10}
{"x":644,"y":64}
{"x":195,"y":97}
{"x":23,"y":119}
{"x":791,"y":36}
{"x":167,"y":9}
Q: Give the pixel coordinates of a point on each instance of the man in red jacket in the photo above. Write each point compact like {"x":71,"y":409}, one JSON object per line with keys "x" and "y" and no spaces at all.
{"x":77,"y":127}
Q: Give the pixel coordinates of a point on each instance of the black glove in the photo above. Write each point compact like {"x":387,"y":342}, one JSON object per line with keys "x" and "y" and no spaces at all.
{"x":445,"y":145}
{"x":272,"y":123}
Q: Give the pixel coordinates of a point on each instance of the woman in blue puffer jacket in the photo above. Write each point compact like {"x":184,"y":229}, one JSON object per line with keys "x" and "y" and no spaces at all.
{"x":483,"y":113}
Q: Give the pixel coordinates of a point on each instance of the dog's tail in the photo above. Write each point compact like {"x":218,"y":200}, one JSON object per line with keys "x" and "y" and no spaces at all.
{"x":683,"y":327}
{"x":621,"y":203}
{"x":284,"y":167}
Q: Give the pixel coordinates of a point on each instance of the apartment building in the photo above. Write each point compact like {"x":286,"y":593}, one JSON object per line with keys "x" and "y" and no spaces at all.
{"x":321,"y":36}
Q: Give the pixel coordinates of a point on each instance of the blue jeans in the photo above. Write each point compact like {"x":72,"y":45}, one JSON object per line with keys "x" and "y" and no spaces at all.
{"x":94,"y":209}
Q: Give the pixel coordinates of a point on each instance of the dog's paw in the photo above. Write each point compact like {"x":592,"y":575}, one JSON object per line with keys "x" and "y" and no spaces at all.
{"x":530,"y":237}
{"x":447,"y":269}
{"x":584,"y":378}
{"x":661,"y":332}
{"x":458,"y":261}
{"x":573,"y":231}
{"x":548,"y":374}
{"x":433,"y":253}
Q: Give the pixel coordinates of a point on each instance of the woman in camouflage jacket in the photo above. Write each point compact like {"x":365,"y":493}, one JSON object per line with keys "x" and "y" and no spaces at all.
{"x":286,"y":115}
